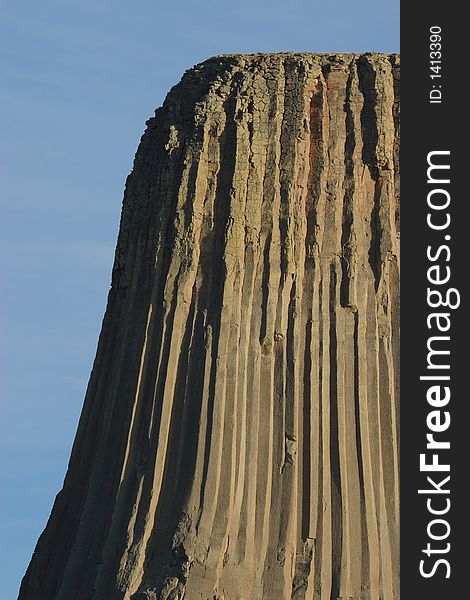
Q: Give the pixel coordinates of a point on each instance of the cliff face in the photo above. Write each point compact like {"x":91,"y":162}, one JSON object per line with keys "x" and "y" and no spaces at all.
{"x":239,"y":435}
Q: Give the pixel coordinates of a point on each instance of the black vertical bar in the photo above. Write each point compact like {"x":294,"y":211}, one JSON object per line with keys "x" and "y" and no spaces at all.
{"x":434,"y":117}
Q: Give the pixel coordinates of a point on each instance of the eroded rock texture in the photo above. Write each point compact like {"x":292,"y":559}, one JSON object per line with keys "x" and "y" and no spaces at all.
{"x":239,"y":434}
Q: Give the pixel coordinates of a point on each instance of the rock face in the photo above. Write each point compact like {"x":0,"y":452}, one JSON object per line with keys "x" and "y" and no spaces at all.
{"x":239,"y":438}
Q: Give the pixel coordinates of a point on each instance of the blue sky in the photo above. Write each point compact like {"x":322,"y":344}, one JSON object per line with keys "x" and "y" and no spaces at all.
{"x":78,"y":79}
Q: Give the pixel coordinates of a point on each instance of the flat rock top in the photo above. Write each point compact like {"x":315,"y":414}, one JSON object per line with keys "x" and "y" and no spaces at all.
{"x":300,"y":54}
{"x":224,"y":66}
{"x":324,"y":58}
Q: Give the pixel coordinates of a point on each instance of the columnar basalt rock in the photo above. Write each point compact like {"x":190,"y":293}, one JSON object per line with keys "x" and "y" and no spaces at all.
{"x":239,"y":437}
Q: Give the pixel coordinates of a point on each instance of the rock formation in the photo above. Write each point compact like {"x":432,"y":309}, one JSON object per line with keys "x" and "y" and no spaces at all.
{"x":239,"y":437}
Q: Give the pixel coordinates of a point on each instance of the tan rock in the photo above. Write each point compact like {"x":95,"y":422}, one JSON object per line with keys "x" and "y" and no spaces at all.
{"x":239,"y":437}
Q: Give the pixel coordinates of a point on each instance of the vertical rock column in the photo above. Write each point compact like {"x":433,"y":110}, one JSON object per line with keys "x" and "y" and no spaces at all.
{"x":239,"y":437}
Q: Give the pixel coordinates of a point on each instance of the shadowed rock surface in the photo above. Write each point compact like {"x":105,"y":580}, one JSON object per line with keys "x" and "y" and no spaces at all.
{"x":239,"y":437}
